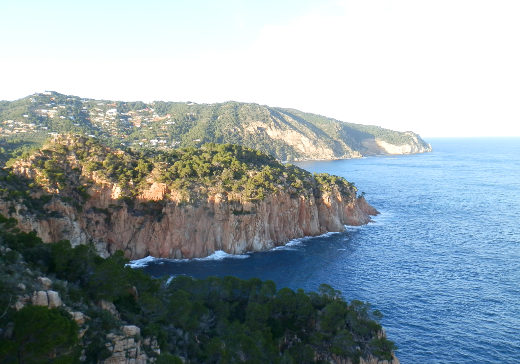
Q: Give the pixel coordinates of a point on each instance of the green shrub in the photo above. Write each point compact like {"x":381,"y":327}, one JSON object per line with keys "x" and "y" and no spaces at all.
{"x":41,"y":335}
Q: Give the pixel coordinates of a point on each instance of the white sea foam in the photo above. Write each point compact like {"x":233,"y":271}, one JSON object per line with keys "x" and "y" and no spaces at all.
{"x":289,"y":245}
{"x":384,"y":217}
{"x":330,"y":233}
{"x":220,"y":254}
{"x":353,"y":228}
{"x":217,"y":255}
{"x":139,"y":263}
{"x":295,"y":242}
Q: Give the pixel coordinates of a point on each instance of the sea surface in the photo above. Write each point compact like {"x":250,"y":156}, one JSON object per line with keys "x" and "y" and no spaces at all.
{"x":441,"y":261}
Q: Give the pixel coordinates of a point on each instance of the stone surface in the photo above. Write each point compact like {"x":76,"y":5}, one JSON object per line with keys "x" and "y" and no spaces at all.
{"x":131,"y":330}
{"x":39,"y":298}
{"x":54,"y":299}
{"x":21,"y":301}
{"x":45,"y":282}
{"x":79,"y":317}
{"x":127,"y":349}
{"x":50,"y":299}
{"x":110,"y":307}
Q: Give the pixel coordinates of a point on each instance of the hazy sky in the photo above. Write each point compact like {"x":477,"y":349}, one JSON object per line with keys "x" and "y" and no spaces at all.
{"x":440,"y":68}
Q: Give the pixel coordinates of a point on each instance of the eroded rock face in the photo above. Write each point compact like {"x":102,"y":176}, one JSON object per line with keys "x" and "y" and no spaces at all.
{"x":49,"y":299}
{"x":54,"y":299}
{"x":173,"y":230}
{"x":129,"y":348}
{"x":45,"y":282}
{"x":39,"y":298}
{"x":131,"y":330}
{"x":414,"y":145}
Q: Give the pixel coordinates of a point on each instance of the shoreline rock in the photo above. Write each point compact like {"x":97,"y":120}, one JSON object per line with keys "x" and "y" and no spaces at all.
{"x":188,"y":231}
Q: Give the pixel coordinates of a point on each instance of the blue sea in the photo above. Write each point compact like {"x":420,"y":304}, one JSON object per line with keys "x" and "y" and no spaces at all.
{"x":441,"y":261}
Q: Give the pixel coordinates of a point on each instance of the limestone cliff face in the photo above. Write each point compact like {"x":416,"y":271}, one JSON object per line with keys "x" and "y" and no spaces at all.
{"x":312,"y":137}
{"x":377,"y":146}
{"x":413,"y":146}
{"x":172,"y":230}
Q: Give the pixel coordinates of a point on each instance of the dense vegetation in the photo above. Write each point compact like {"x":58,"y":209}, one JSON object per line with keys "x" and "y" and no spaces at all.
{"x":69,"y":164}
{"x":167,"y":125}
{"x":216,"y":320}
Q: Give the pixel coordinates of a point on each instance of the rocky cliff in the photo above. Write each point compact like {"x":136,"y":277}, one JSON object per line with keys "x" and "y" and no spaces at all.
{"x":184,"y":231}
{"x":160,"y":222}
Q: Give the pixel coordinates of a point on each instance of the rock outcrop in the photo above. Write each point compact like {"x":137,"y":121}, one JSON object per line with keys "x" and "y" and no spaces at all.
{"x":377,"y":146}
{"x":128,"y":348}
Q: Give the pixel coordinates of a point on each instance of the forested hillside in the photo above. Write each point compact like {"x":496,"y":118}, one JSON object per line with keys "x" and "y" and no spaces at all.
{"x":286,"y":134}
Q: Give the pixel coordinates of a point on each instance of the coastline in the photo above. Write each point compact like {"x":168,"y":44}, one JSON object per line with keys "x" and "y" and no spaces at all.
{"x":221,"y":255}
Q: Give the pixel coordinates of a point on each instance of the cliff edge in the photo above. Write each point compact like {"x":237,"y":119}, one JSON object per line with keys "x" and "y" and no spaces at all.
{"x":182,"y":204}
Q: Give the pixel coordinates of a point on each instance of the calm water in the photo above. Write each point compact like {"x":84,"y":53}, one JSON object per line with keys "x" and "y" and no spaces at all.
{"x":442,"y":261}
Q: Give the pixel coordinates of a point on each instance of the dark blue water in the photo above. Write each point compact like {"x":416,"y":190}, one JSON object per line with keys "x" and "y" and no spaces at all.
{"x":442,"y":261}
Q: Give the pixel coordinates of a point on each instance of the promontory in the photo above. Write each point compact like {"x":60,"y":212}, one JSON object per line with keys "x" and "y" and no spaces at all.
{"x":180,"y":203}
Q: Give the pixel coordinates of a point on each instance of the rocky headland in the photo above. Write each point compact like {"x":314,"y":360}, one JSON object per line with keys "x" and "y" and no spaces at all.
{"x":174,"y":206}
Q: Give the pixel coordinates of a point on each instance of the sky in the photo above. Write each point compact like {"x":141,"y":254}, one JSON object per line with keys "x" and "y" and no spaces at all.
{"x":439,"y":68}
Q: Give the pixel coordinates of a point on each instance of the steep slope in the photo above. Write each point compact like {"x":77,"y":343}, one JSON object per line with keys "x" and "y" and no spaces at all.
{"x":286,"y":134}
{"x":182,"y":203}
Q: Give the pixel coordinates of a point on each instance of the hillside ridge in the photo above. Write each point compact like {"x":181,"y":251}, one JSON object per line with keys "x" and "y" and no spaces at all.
{"x":287,"y":134}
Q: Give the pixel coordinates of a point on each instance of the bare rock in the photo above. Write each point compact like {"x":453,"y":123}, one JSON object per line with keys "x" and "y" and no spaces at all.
{"x":19,"y":305}
{"x":131,"y":330}
{"x":21,"y":301}
{"x":127,"y":349}
{"x":54,"y":299}
{"x":79,"y":317}
{"x":39,"y":298}
{"x":45,"y":282}
{"x":82,"y":332}
{"x":110,"y":307}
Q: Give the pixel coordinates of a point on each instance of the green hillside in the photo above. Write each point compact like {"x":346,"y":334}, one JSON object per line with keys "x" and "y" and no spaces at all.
{"x":286,"y":134}
{"x":69,"y":164}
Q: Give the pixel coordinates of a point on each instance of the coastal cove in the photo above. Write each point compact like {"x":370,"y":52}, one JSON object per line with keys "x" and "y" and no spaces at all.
{"x":441,"y":262}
